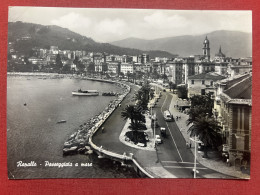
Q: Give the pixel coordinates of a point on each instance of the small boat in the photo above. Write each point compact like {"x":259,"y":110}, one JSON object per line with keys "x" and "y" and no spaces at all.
{"x":109,"y":94}
{"x":85,"y":92}
{"x":62,"y":121}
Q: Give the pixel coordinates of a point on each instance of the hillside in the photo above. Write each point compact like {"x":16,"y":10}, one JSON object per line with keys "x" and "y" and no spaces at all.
{"x":233,"y":43}
{"x":27,"y":35}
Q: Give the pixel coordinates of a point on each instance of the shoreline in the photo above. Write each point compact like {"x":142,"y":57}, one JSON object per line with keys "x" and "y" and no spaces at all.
{"x":79,"y":141}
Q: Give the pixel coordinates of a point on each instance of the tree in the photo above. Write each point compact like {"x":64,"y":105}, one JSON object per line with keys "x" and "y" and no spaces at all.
{"x":59,"y":63}
{"x":66,"y":68}
{"x":139,"y":75}
{"x":134,"y":77}
{"x":182,"y":92}
{"x":104,"y":67}
{"x":121,"y":74}
{"x":172,"y":85}
{"x":155,"y":75}
{"x":207,"y":130}
{"x":128,"y":75}
{"x":35,"y":67}
{"x":78,"y":64}
{"x":136,"y":117}
{"x":201,"y":105}
{"x":164,"y":77}
{"x":91,"y":67}
{"x":203,"y":100}
{"x":151,"y":94}
{"x":143,"y":95}
{"x":27,"y":66}
{"x":128,"y":113}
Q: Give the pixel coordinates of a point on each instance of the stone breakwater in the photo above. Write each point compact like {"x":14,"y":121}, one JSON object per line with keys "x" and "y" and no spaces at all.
{"x":78,"y":142}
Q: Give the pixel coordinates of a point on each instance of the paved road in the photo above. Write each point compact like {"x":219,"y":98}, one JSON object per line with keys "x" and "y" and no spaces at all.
{"x":113,"y":126}
{"x":109,"y":140}
{"x":173,"y":153}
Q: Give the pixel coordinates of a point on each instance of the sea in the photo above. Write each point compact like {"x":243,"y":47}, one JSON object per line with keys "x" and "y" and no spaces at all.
{"x":34,"y":138}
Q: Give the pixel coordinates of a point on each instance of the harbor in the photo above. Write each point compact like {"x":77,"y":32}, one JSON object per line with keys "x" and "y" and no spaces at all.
{"x":35,"y":135}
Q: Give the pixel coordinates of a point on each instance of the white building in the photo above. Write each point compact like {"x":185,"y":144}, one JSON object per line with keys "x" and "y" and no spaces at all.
{"x":127,"y":67}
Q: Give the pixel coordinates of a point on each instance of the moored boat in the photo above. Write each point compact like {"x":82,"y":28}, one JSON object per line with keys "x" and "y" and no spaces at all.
{"x":85,"y":92}
{"x":62,"y":121}
{"x":109,"y":93}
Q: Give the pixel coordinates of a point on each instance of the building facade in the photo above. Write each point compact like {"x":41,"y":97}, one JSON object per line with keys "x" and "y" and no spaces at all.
{"x":203,"y":83}
{"x":233,"y":109}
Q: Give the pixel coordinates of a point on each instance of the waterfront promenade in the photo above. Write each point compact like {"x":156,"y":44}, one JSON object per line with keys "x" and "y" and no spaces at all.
{"x":109,"y":140}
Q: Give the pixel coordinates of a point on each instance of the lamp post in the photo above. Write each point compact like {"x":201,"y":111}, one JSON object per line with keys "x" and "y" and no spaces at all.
{"x":195,"y":157}
{"x":195,"y":140}
{"x":154,"y":124}
{"x":157,"y":160}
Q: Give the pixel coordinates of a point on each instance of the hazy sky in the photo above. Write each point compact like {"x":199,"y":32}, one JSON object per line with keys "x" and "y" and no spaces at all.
{"x":106,"y":25}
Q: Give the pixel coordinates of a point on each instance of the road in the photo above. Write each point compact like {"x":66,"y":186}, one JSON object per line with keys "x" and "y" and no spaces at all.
{"x":173,"y":152}
{"x":173,"y":155}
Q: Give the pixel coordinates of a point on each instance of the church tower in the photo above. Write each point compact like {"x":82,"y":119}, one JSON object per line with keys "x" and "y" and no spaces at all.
{"x":206,"y":49}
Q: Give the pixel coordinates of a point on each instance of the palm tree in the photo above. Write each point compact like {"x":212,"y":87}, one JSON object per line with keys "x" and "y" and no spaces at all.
{"x":196,"y":111}
{"x":128,"y":113}
{"x":151,"y":94}
{"x":137,"y":118}
{"x":134,"y":77}
{"x":138,"y":95}
{"x":128,"y":75}
{"x":172,"y":85}
{"x":207,"y":130}
{"x":201,"y":105}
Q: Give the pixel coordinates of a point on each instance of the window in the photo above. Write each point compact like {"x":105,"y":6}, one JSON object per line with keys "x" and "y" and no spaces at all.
{"x":192,"y":82}
{"x":203,"y":92}
{"x":203,"y":82}
{"x":211,"y":83}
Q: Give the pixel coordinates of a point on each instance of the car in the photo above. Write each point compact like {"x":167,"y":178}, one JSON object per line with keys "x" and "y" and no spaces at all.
{"x":200,"y":147}
{"x":158,"y":139}
{"x":163,"y":131}
{"x":175,"y":91}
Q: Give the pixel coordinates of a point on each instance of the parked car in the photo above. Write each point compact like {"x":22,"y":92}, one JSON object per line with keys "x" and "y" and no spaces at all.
{"x":158,"y":139}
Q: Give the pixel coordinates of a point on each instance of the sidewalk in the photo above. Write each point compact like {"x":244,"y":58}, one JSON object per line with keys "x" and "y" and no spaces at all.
{"x":214,"y":162}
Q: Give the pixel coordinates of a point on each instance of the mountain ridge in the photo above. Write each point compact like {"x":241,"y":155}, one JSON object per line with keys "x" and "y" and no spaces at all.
{"x":233,"y":43}
{"x":44,"y":36}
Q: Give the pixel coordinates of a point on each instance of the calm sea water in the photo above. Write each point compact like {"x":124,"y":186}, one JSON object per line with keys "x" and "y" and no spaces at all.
{"x":34,"y":135}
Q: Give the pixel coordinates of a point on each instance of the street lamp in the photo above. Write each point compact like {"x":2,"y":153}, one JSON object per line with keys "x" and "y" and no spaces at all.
{"x":195,"y":140}
{"x":154,"y":119}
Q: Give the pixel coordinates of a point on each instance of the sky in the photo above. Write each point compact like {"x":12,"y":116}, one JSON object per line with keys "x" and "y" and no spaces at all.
{"x":108,"y":25}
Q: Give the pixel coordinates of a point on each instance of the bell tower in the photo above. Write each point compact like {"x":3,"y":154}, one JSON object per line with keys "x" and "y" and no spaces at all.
{"x":206,"y":49}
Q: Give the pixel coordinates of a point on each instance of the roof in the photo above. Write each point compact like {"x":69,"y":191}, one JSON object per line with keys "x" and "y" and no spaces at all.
{"x":230,"y":81}
{"x":241,"y":90}
{"x":220,"y":54}
{"x":207,"y":76}
{"x":206,"y":40}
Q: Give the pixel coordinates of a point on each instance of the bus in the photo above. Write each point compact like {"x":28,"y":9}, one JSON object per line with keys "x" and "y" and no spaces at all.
{"x":167,"y":116}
